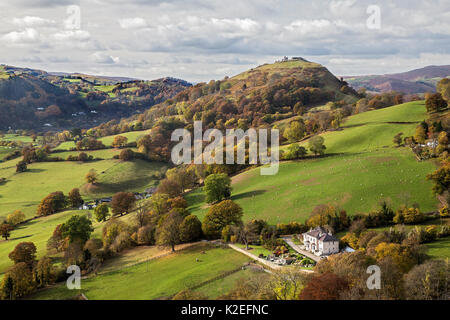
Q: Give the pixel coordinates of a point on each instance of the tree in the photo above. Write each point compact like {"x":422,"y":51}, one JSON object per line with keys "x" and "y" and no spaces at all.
{"x":190,"y":229}
{"x":420,"y":135}
{"x":21,"y":166}
{"x":441,"y":178}
{"x":101,"y":212}
{"x":119,"y":142}
{"x":75,"y":199}
{"x":435,"y":102}
{"x":170,"y":187}
{"x":443,"y":142}
{"x":15,"y":218}
{"x":54,"y":202}
{"x":217,"y":187}
{"x":326,"y":286}
{"x":122,"y":202}
{"x":91,"y":176}
{"x":316,"y":145}
{"x":5,"y":230}
{"x":44,"y":273}
{"x":428,"y":281}
{"x":220,"y":215}
{"x":443,"y":87}
{"x":295,"y":151}
{"x":294,"y":132}
{"x":56,"y":241}
{"x":248,"y":233}
{"x":22,"y":283}
{"x":398,"y":139}
{"x":168,"y":233}
{"x":24,"y":252}
{"x":77,"y":228}
{"x":126,"y":155}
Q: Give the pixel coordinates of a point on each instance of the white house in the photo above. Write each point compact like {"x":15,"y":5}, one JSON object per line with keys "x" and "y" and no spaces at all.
{"x":320,"y":242}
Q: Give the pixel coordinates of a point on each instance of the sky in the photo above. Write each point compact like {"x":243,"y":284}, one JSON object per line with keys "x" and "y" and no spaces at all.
{"x":200,"y":40}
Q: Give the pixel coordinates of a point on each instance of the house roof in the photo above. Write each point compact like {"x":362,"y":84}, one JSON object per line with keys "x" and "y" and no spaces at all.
{"x":321,"y":234}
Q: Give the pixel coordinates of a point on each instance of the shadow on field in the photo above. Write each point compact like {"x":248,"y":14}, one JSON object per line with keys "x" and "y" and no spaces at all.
{"x":23,"y":237}
{"x":247,"y":194}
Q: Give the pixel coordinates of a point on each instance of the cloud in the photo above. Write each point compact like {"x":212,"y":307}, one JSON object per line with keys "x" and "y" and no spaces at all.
{"x":103,"y":58}
{"x":72,"y":35}
{"x":29,"y":35}
{"x":30,"y":21}
{"x":132,"y":23}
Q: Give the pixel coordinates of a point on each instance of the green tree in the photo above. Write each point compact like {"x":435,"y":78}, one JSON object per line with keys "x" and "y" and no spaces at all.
{"x":21,"y":166}
{"x":294,"y":132}
{"x":217,"y":187}
{"x":441,"y":178}
{"x":294,"y":151}
{"x":220,"y":215}
{"x":77,"y":228}
{"x":316,"y":145}
{"x":101,"y":212}
{"x":15,"y":218}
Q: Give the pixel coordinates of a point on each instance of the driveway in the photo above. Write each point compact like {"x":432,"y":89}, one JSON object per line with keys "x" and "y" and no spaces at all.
{"x":297,"y":248}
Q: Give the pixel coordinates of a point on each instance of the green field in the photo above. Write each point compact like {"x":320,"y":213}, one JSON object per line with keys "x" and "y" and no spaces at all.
{"x":132,"y":137}
{"x":36,"y":231}
{"x":24,"y":191}
{"x":157,"y":278}
{"x":362,"y":167}
{"x":439,"y":249}
{"x":16,"y":137}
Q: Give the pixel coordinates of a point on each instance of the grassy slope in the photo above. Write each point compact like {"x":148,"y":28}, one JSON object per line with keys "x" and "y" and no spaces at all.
{"x":157,"y":278}
{"x":36,"y":231}
{"x":365,"y":168}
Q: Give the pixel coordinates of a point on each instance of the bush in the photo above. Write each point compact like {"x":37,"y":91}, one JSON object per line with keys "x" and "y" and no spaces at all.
{"x":146,"y":235}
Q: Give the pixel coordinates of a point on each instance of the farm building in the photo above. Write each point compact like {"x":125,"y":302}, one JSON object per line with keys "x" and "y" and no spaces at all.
{"x":320,"y":242}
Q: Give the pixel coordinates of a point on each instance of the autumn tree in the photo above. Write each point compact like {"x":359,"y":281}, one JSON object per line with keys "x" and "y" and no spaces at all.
{"x":168,"y":233}
{"x":91,"y":176}
{"x":217,"y":187}
{"x":122,"y":202}
{"x":5,"y":230}
{"x":126,"y":155}
{"x":326,"y":286}
{"x":44,"y":273}
{"x":119,"y":142}
{"x":18,"y":282}
{"x":74,"y":198}
{"x":441,"y":178}
{"x":24,"y":252}
{"x":435,"y":103}
{"x":428,"y":281}
{"x":54,"y":202}
{"x":190,"y":229}
{"x":220,"y":215}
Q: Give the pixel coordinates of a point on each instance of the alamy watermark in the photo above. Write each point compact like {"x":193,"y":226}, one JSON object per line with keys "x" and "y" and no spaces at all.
{"x":213,"y":153}
{"x":74,"y":281}
{"x":374,"y":280}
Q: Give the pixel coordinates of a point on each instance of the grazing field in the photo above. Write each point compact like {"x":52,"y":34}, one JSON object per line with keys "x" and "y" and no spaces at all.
{"x":439,"y":249}
{"x":24,"y":191}
{"x":158,"y":278}
{"x":361,"y":167}
{"x":36,"y":231}
{"x":104,"y":154}
{"x":16,"y":137}
{"x":132,"y":137}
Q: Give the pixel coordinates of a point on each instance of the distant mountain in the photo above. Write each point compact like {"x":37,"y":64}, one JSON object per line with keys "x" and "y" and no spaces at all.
{"x":415,"y":81}
{"x":39,"y":100}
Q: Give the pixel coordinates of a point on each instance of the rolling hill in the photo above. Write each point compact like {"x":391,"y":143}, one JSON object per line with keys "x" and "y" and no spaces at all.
{"x":362,"y":167}
{"x":412,"y":82}
{"x":35,"y":99}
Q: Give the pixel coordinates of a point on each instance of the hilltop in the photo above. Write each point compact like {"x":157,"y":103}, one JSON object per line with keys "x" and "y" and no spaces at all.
{"x":42,"y":101}
{"x":257,"y":97}
{"x":411,"y":82}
